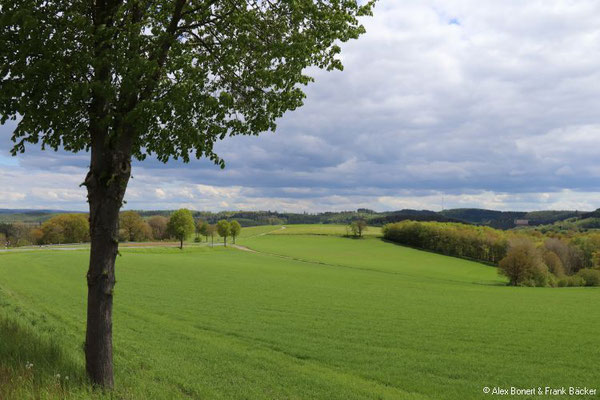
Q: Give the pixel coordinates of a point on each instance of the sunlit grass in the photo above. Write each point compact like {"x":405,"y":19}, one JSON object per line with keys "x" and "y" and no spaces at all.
{"x":311,"y":317}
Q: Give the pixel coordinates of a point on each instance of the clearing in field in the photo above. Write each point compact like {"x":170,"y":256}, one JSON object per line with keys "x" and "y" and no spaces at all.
{"x":308,"y":315}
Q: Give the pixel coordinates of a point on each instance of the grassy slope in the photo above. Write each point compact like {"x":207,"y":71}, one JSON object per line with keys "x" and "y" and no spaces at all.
{"x":327,"y":230}
{"x":364,"y":319}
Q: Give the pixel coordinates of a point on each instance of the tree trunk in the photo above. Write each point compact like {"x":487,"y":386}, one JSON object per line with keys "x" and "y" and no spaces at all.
{"x":106,"y":183}
{"x":181,"y":244}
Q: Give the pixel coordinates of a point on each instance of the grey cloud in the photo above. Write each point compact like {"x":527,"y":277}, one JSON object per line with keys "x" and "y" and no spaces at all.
{"x":500,"y":108}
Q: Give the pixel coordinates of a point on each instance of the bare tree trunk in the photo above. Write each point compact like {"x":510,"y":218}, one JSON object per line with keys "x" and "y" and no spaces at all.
{"x":106,"y":183}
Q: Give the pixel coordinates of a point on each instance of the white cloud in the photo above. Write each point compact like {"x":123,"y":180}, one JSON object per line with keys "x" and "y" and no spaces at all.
{"x":160,"y":193}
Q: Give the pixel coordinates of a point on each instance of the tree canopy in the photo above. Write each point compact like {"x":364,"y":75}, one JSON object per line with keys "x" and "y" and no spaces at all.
{"x":66,"y":228}
{"x":173,"y":76}
{"x":181,"y":225}
{"x":224,"y":230}
{"x":234,"y":229}
{"x":133,"y":228}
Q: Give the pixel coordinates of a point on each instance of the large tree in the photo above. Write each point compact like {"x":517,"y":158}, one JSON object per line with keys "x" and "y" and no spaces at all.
{"x":181,"y":225}
{"x":126,"y":79}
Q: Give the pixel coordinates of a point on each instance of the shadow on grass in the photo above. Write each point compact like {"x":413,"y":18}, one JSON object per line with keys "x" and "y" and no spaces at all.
{"x":486,"y":263}
{"x":35,"y":366}
{"x":491,"y":283}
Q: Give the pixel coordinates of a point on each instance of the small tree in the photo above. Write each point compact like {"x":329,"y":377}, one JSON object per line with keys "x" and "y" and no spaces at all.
{"x":210,"y":231}
{"x":158,"y":224}
{"x":361,"y":226}
{"x":554,"y":264}
{"x":198,"y":225}
{"x":234,"y":229}
{"x":358,"y":227}
{"x":132,"y":227}
{"x":75,"y":227}
{"x":204,"y":230}
{"x":523,"y":264}
{"x":181,"y":225}
{"x":223,"y":228}
{"x":65,"y":228}
{"x":52,"y":232}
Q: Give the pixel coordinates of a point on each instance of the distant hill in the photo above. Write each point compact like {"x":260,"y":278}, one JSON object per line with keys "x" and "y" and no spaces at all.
{"x":29,"y":216}
{"x":495,"y":219}
{"x":32,"y":211}
{"x":250,"y":218}
{"x":506,"y":219}
{"x":477,"y":216}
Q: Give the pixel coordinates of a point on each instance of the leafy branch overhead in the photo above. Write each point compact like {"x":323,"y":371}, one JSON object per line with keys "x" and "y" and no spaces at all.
{"x":172,"y":76}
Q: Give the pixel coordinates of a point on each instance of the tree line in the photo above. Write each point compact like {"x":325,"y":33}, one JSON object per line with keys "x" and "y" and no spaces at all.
{"x":526,"y":258}
{"x":74,"y":228}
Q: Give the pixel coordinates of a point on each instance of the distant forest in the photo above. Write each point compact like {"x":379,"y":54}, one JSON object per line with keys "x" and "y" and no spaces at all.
{"x":494,"y":219}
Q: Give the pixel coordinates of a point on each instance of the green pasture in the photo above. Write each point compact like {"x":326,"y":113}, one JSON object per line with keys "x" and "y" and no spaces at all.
{"x":327,"y":230}
{"x":303,"y":316}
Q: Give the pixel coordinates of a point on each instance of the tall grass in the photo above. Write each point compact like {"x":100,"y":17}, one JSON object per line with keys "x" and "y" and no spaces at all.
{"x":33,"y":365}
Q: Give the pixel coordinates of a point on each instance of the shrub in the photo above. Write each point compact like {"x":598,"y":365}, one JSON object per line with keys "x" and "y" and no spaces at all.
{"x":571,"y":256}
{"x":133,"y":228}
{"x":523,"y":265}
{"x":158,"y":224}
{"x":563,"y":282}
{"x":553,"y":263}
{"x":65,"y":228}
{"x":576,"y":280}
{"x":590,"y":276}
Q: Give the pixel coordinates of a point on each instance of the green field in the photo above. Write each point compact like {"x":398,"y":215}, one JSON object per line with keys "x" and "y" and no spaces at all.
{"x":303,"y":316}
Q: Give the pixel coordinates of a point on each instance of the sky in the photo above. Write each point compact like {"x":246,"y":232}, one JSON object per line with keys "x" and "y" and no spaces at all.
{"x":453,"y":103}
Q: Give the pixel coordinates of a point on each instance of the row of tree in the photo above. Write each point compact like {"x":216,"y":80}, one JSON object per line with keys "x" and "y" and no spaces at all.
{"x":181,"y":225}
{"x":551,"y":263}
{"x":63,"y":228}
{"x":453,"y":239}
{"x":526,"y":258}
{"x":74,"y":228}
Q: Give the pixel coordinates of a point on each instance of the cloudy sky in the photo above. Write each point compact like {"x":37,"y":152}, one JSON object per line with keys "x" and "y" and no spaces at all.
{"x":484,"y":103}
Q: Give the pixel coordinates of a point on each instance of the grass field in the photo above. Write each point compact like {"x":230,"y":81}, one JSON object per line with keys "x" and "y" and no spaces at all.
{"x":304,"y":317}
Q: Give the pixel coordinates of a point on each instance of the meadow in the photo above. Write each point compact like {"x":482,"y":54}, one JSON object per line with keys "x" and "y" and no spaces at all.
{"x":307,"y":314}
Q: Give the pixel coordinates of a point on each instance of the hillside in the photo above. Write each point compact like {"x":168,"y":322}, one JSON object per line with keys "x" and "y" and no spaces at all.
{"x":302,"y":316}
{"x":506,"y":219}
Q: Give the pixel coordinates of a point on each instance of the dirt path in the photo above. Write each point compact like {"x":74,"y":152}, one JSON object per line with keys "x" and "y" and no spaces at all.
{"x":243,"y":248}
{"x":133,"y":245}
